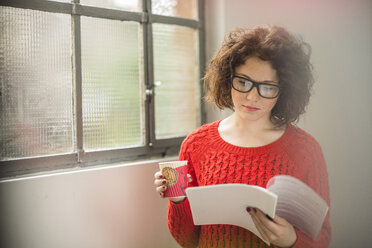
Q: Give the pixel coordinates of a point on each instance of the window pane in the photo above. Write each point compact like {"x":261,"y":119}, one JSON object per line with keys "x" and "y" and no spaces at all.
{"x":35,"y":83}
{"x":176,"y":72}
{"x":111,"y":84}
{"x":177,"y":8}
{"x":66,"y":1}
{"x":128,"y":5}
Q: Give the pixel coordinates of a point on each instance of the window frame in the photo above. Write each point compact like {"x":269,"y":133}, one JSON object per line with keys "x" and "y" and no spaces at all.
{"x":153,"y":146}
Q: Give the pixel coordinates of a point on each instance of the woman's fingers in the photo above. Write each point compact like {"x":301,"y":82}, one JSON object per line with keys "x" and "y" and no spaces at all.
{"x":277,"y":231}
{"x":266,"y":220}
{"x":160,"y":183}
{"x":257,"y":223}
{"x":161,"y":188}
{"x":158,"y":175}
{"x":159,"y":179}
{"x":268,"y":226}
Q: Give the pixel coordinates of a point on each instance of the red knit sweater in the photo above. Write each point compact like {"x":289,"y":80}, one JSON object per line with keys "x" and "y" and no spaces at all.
{"x":214,"y":161}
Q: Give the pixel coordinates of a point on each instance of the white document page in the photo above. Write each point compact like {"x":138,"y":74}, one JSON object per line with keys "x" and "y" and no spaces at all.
{"x":299,"y":204}
{"x":227,"y":203}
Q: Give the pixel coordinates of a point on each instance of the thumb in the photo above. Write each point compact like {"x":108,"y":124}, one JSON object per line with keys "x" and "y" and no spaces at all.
{"x":189,"y":178}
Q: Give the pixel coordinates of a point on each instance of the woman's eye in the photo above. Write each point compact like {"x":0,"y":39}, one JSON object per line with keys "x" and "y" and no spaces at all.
{"x":267,"y":88}
{"x":245,"y":84}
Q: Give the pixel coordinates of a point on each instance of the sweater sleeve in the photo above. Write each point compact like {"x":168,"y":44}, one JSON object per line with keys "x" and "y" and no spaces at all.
{"x":180,"y":222}
{"x":313,"y":171}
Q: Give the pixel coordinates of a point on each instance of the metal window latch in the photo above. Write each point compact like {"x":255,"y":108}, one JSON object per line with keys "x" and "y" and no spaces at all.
{"x":149,"y":92}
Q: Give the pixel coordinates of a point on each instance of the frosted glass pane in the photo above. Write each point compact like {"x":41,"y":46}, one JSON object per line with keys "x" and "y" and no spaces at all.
{"x":35,"y":83}
{"x":177,"y":8}
{"x":127,"y":5}
{"x":176,"y":72}
{"x":65,"y":1}
{"x":111,"y":84}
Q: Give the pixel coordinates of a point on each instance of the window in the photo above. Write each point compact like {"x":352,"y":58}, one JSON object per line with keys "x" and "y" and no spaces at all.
{"x":97,"y":81}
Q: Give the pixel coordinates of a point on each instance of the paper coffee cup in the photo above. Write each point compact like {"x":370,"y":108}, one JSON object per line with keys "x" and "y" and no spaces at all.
{"x":175,"y":172}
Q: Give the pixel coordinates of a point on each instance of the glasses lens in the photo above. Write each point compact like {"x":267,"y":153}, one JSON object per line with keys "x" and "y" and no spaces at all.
{"x":269,"y":91}
{"x":241,"y":84}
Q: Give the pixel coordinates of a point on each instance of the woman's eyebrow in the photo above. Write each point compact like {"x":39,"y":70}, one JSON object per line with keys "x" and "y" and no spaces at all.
{"x":249,"y":78}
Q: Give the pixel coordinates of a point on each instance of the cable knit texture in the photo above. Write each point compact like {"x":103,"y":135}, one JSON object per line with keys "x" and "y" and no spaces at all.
{"x":211,"y":160}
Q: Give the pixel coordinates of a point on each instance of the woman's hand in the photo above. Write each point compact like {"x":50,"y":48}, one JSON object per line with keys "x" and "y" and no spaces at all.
{"x":160,"y":184}
{"x":277,"y":231}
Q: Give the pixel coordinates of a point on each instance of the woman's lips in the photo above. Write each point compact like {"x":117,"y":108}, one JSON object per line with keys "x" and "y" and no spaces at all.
{"x":250,"y":108}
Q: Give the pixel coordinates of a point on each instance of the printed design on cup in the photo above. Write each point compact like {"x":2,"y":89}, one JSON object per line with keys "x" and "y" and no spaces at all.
{"x":171,"y":175}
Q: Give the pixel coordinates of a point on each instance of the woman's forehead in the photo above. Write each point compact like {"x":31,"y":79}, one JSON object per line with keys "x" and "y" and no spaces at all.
{"x":257,"y":70}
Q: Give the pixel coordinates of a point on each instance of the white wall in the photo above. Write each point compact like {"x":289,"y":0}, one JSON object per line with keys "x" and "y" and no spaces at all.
{"x":96,"y":208}
{"x":339,"y":115}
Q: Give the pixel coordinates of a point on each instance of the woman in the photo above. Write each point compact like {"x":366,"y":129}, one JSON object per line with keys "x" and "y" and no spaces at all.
{"x":264,"y":75}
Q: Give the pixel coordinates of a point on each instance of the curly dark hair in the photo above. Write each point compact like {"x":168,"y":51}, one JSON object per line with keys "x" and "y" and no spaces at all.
{"x":288,"y":55}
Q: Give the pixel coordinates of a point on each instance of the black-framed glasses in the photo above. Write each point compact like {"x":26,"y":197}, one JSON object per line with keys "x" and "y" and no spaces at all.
{"x":245,"y":85}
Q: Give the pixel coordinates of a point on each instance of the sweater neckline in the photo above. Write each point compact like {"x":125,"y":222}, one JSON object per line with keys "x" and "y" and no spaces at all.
{"x":226,"y":146}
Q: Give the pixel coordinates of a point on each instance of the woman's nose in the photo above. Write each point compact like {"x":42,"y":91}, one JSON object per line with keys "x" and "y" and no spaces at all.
{"x":253,"y":94}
